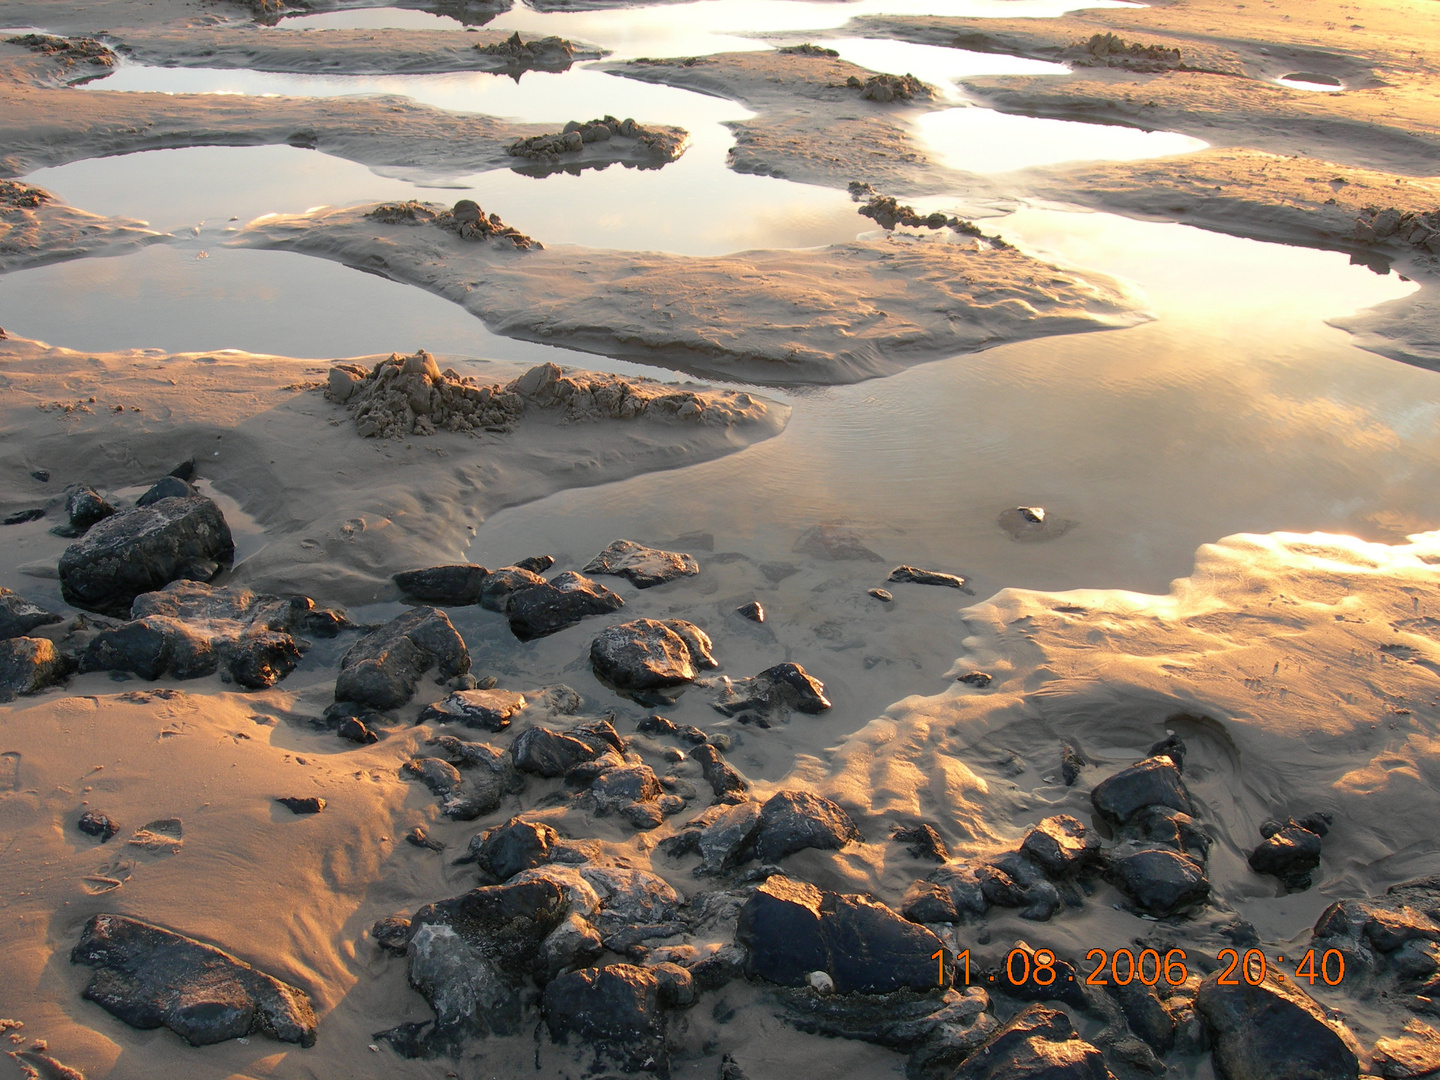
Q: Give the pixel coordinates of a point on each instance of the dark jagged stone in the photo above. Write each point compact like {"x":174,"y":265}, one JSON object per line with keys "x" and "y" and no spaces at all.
{"x":924,"y":841}
{"x":549,"y":607}
{"x":728,"y":838}
{"x":1162,"y":825}
{"x":927,"y":902}
{"x":1173,"y":747}
{"x":642,"y":566}
{"x":1273,"y":1031}
{"x":964,"y":886}
{"x":615,"y":1008}
{"x":18,"y":616}
{"x":1072,"y":764}
{"x":457,"y":584}
{"x":152,"y":647}
{"x":790,"y":929}
{"x":167,"y":487}
{"x":1290,"y":854}
{"x":791,"y":821}
{"x":1060,"y":844}
{"x":722,"y":777}
{"x":1036,"y":1043}
{"x":29,"y":665}
{"x":391,"y":933}
{"x":421,"y":838}
{"x":461,"y":798}
{"x":143,"y":549}
{"x":1152,"y":782}
{"x":752,"y":611}
{"x":926,"y":577}
{"x":490,"y":710}
{"x":310,"y":805}
{"x":1145,"y":1013}
{"x":515,"y":846}
{"x":85,"y":507}
{"x":549,"y":753}
{"x":1160,"y":881}
{"x":977,"y":679}
{"x":655,"y":724}
{"x":382,"y":668}
{"x":21,"y":517}
{"x":496,"y":587}
{"x":351,"y":721}
{"x":648,"y":654}
{"x":536,"y":564}
{"x":94,"y":823}
{"x":150,"y":977}
{"x":770,"y":694}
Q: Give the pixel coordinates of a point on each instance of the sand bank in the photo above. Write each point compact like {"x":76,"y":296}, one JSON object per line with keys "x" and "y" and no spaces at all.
{"x":36,"y":228}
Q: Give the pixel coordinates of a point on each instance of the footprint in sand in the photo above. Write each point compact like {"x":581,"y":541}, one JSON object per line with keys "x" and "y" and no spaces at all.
{"x":163,"y":836}
{"x":9,"y":771}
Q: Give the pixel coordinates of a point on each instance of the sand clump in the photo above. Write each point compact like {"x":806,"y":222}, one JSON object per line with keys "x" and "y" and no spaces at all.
{"x":1111,"y":50}
{"x":888,"y":212}
{"x":465,"y":219}
{"x":548,"y":52}
{"x":663,"y":144}
{"x":71,"y":52}
{"x":410,"y":395}
{"x":887,"y":88}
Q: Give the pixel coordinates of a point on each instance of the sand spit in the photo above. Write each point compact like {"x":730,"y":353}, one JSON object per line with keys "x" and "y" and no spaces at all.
{"x":1221,"y":87}
{"x":347,"y":52}
{"x":36,"y":228}
{"x":43,"y":125}
{"x":813,"y":125}
{"x":831,"y":315}
{"x":340,"y":513}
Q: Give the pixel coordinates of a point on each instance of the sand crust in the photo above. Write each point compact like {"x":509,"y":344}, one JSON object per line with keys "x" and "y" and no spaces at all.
{"x":829,"y":315}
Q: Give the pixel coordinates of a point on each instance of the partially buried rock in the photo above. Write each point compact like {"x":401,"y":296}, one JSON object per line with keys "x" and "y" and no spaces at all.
{"x":1152,"y":782}
{"x":496,"y":586}
{"x":94,"y":823}
{"x":926,"y":577}
{"x":827,"y":541}
{"x":1060,"y":844}
{"x":648,"y":654}
{"x":296,"y":805}
{"x":29,"y":665}
{"x":491,"y":710}
{"x":143,"y":549}
{"x":1160,"y":881}
{"x":19,"y":616}
{"x":614,"y":1008}
{"x":1273,"y":1030}
{"x":790,"y":929}
{"x":1039,"y":1043}
{"x":462,"y":798}
{"x":768,"y":696}
{"x":84,"y":507}
{"x":752,"y":611}
{"x":924,"y":841}
{"x":549,"y":753}
{"x":791,"y":821}
{"x":382,"y":668}
{"x":722,"y":777}
{"x":548,"y":607}
{"x":1291,"y":850}
{"x":167,"y":487}
{"x":642,"y":566}
{"x":150,"y":977}
{"x":457,"y":584}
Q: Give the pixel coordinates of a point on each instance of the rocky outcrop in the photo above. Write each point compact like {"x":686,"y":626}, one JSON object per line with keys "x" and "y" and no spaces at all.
{"x":888,"y":88}
{"x":409,"y":395}
{"x":1273,"y":1031}
{"x":1111,"y":50}
{"x":1417,"y":231}
{"x":382,"y":669}
{"x":642,"y":566}
{"x":546,"y":54}
{"x":768,"y":697}
{"x":465,"y":219}
{"x":143,"y":549}
{"x":150,"y":977}
{"x":648,"y":654}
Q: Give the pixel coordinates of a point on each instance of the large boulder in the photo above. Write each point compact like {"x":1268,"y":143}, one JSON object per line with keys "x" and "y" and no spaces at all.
{"x":648,"y":654}
{"x":29,"y":665}
{"x":614,"y":1008}
{"x":791,"y":821}
{"x":18,"y":616}
{"x":1060,"y":844}
{"x":549,"y":753}
{"x":150,"y":977}
{"x":1160,"y":881}
{"x":143,"y":549}
{"x":505,"y":923}
{"x":452,"y":585}
{"x":382,"y":669}
{"x":768,"y":697}
{"x":1037,"y":1043}
{"x":516,"y":846}
{"x":1153,"y":782}
{"x":642,"y":566}
{"x":1273,"y":1031}
{"x":790,"y":929}
{"x":550,"y":606}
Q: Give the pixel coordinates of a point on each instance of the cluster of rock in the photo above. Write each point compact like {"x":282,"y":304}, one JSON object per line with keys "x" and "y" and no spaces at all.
{"x":1291,"y":850}
{"x":1111,"y":50}
{"x":665,"y":144}
{"x":465,"y":219}
{"x":551,"y":53}
{"x":17,"y":196}
{"x":410,"y":395}
{"x":1420,"y":231}
{"x":1389,"y":944}
{"x":70,"y":51}
{"x":887,"y":88}
{"x":738,"y":829}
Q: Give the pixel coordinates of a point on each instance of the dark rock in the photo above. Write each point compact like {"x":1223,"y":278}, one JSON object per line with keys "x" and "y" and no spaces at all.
{"x":1036,"y":1043}
{"x":964,"y":886}
{"x":790,"y":929}
{"x":724,"y":965}
{"x":1072,"y":763}
{"x":648,"y":654}
{"x":1160,"y":881}
{"x":574,"y":943}
{"x":143,"y":549}
{"x":185,"y":470}
{"x":613,"y":788}
{"x":1273,"y":1031}
{"x":728,"y":838}
{"x":151,"y":648}
{"x":836,"y":542}
{"x":419,"y":837}
{"x":768,"y":695}
{"x":42,"y":475}
{"x":149,"y":977}
{"x":1152,"y":782}
{"x":722,"y":777}
{"x":730,"y":1069}
{"x":460,"y":798}
{"x":691,"y":734}
{"x":18,"y":616}
{"x":977,"y":679}
{"x":927,"y":902}
{"x":351,"y":721}
{"x":642,"y":566}
{"x":490,"y":710}
{"x":654,"y":724}
{"x":310,"y":805}
{"x":84,"y":507}
{"x":924,"y":841}
{"x":677,"y":987}
{"x":392,"y":932}
{"x":1145,"y":1013}
{"x":167,"y":487}
{"x":1290,"y":854}
{"x":549,"y":607}
{"x":382,"y":668}
{"x":615,"y":1008}
{"x":752,"y":611}
{"x":1023,"y":883}
{"x":497,"y":586}
{"x":791,"y":821}
{"x":1060,"y":844}
{"x":548,"y":753}
{"x":21,"y":517}
{"x":925,"y":577}
{"x":29,"y":665}
{"x":1162,"y":825}
{"x":457,"y":584}
{"x":536,"y":564}
{"x":515,"y":846}
{"x":93,"y":823}
{"x":1173,"y":747}
{"x":1405,"y":1058}
{"x":881,"y":594}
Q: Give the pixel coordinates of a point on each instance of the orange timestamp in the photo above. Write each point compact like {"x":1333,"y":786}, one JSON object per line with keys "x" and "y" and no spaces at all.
{"x":1121,"y":967}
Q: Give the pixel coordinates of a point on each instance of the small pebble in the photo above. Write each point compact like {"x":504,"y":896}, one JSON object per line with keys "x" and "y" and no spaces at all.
{"x":882,"y":594}
{"x":976,"y":678}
